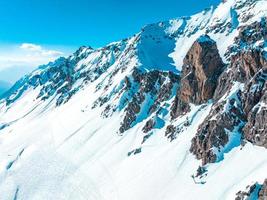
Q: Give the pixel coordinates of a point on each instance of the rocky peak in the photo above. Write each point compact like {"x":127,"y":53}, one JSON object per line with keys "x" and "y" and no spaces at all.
{"x":239,"y":99}
{"x":82,"y":52}
{"x":243,"y":112}
{"x":201,"y":69}
{"x":203,"y":63}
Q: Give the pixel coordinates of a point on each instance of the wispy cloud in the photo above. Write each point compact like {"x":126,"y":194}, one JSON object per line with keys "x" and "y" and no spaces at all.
{"x":31,"y":47}
{"x":39,"y":49}
{"x":22,"y":58}
{"x":27,"y":54}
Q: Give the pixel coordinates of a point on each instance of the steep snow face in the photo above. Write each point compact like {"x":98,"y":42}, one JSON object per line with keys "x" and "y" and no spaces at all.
{"x":154,"y":48}
{"x":60,"y":135}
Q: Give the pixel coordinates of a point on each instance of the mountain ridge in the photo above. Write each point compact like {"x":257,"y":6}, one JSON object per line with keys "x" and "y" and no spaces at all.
{"x":167,"y":113}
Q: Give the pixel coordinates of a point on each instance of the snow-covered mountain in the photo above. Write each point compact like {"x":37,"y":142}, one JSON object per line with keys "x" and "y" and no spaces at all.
{"x":177,"y":111}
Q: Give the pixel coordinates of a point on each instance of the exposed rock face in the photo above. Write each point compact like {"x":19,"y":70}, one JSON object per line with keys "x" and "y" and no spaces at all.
{"x":255,"y":130}
{"x":245,"y":60}
{"x":249,"y":36}
{"x":240,"y":99}
{"x":58,"y":78}
{"x":150,"y":124}
{"x":255,"y":191}
{"x":213,"y":132}
{"x":232,"y":113}
{"x":251,"y":190}
{"x":57,"y":75}
{"x":255,"y":95}
{"x":201,"y":69}
{"x":169,"y":133}
{"x":154,"y":88}
{"x":255,"y":90}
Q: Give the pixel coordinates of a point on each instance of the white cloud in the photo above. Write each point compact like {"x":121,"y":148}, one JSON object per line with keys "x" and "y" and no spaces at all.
{"x":31,"y":47}
{"x":24,"y":57}
{"x":39,"y":49}
{"x":26,"y":54}
{"x":52,"y":53}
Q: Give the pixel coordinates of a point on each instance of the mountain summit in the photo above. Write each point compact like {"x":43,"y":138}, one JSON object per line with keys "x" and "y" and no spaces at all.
{"x":177,"y":111}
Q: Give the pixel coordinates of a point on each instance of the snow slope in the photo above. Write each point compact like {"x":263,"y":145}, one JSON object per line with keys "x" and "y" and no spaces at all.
{"x":56,"y":144}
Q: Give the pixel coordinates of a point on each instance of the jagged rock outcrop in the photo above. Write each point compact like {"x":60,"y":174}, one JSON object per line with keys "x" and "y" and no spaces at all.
{"x":249,"y":66}
{"x":201,"y":69}
{"x":254,"y":191}
{"x":245,"y":56}
{"x":170,"y":132}
{"x":64,"y":77}
{"x":255,"y":130}
{"x":251,"y":190}
{"x":240,"y":99}
{"x":154,"y":88}
{"x":150,"y":124}
{"x":231,"y":112}
{"x":213,"y":133}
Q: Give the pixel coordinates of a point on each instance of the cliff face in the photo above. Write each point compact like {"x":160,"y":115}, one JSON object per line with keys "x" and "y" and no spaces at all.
{"x":155,"y":87}
{"x":255,"y":130}
{"x":255,"y":191}
{"x":240,"y":100}
{"x":201,"y":69}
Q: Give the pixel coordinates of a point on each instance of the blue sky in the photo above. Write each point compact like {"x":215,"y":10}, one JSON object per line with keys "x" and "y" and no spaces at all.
{"x":86,"y":22}
{"x":58,"y":27}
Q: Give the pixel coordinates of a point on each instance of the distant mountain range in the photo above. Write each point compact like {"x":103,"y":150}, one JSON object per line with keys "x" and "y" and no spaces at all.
{"x":177,"y":111}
